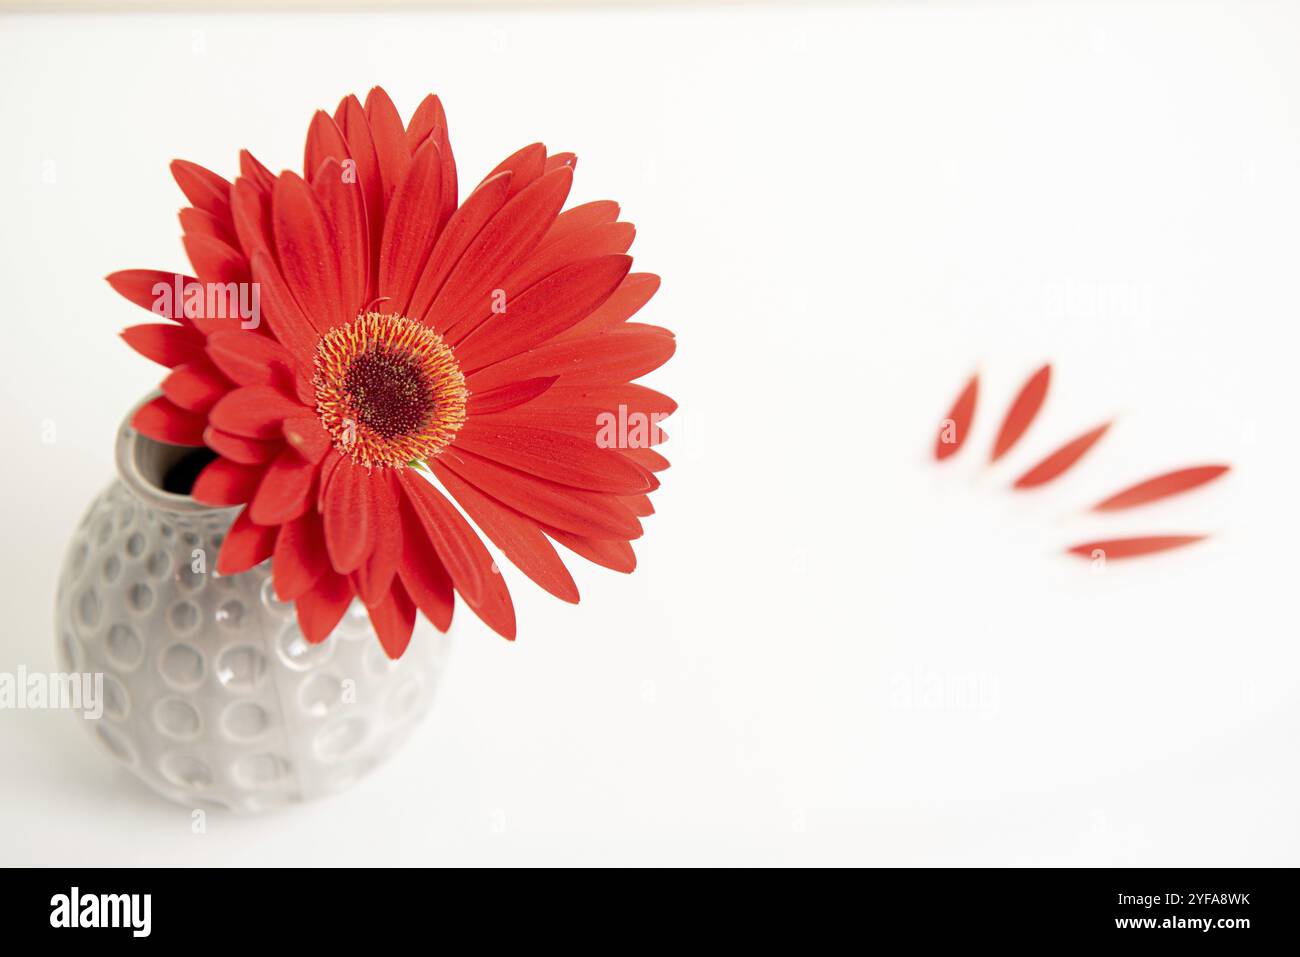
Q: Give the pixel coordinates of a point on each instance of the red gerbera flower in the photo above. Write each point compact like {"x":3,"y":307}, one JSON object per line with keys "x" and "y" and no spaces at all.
{"x":405,"y":336}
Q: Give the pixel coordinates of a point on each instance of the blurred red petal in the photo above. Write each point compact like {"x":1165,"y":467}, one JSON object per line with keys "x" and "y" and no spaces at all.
{"x":956,"y":424}
{"x":1117,"y":548}
{"x":1162,"y":486}
{"x":1062,"y":460}
{"x":1022,"y":413}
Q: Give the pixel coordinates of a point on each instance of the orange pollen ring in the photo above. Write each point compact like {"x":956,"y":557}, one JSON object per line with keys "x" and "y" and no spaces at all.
{"x":388,"y":390}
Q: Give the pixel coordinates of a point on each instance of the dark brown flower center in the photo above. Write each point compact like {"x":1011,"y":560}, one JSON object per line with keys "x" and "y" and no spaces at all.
{"x":389,"y":392}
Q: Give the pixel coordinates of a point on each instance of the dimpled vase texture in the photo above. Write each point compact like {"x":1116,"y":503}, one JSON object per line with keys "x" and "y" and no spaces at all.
{"x":211,"y":694}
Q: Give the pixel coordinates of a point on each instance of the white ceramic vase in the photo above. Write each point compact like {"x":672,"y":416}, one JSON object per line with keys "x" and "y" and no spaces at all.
{"x":212,"y":696}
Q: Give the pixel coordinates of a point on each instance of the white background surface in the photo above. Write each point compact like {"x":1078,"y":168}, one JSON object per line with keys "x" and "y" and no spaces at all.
{"x":833,"y":651}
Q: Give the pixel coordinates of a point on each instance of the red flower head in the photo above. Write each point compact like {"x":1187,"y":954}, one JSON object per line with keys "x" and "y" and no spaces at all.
{"x":485,"y":344}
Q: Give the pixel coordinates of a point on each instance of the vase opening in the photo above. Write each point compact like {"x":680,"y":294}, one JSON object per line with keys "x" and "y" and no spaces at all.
{"x":180,"y":476}
{"x":160,"y":474}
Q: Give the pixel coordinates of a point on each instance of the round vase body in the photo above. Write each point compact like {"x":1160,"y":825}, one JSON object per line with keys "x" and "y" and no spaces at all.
{"x":211,"y":694}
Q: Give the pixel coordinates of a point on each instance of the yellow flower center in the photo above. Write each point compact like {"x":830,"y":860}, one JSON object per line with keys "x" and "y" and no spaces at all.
{"x":389,"y":390}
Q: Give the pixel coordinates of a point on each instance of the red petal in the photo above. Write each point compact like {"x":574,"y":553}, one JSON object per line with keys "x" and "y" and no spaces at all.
{"x":167,"y":345}
{"x":1022,"y":412}
{"x":1133,"y":547}
{"x":579,"y":219}
{"x":1162,"y":486}
{"x":556,"y":456}
{"x":542,"y":311}
{"x":245,"y":546}
{"x":306,"y":253}
{"x":518,"y":537}
{"x":300,"y":558}
{"x":254,"y":411}
{"x":524,"y":165}
{"x":1061,"y":460}
{"x":349,"y":522}
{"x":499,"y":248}
{"x":196,"y":386}
{"x":592,"y":514}
{"x":557,"y":160}
{"x":224,"y":482}
{"x":466,"y":223}
{"x":352,"y":120}
{"x":430,"y":121}
{"x":410,"y":228}
{"x":589,"y":400}
{"x":284,"y":317}
{"x":640,"y":505}
{"x":609,"y":239}
{"x":200,"y":222}
{"x":467,"y":561}
{"x":634,"y":292}
{"x":164,"y":421}
{"x":253,"y":170}
{"x":250,"y":359}
{"x":251,"y":208}
{"x":619,"y":417}
{"x":394,"y":620}
{"x":215,"y":261}
{"x":375,"y":575}
{"x":647,"y":459}
{"x":322,"y":607}
{"x":203,"y":188}
{"x":461,"y":552}
{"x":325,"y":142}
{"x":390,"y":140}
{"x":153,"y":290}
{"x":284,"y":492}
{"x":327,"y":469}
{"x":307,"y":436}
{"x":427,"y":117}
{"x":343,"y":205}
{"x":613,"y":554}
{"x":956,"y":424}
{"x":508,"y":396}
{"x":238,"y":448}
{"x":616,"y":356}
{"x":423,"y":574}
